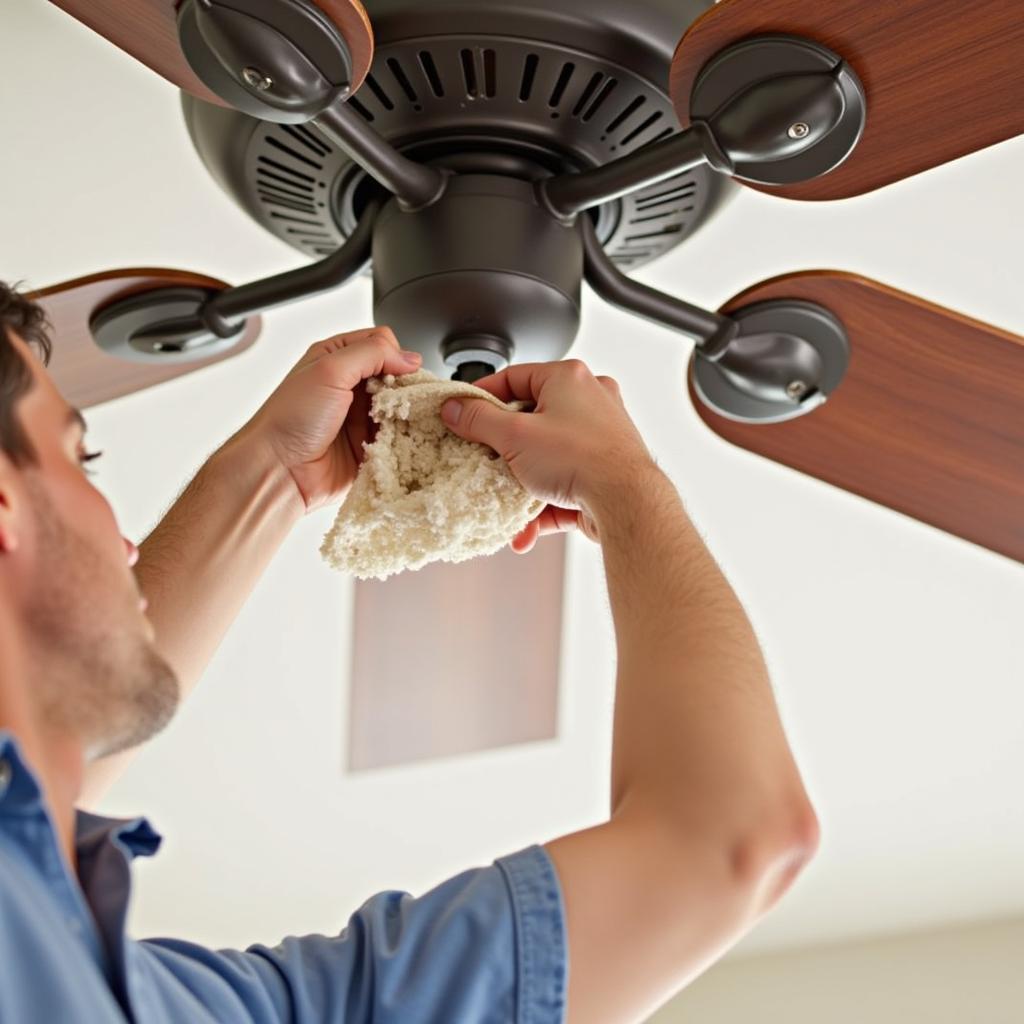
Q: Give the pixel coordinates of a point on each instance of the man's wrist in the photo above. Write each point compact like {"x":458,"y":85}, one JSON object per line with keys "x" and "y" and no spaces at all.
{"x":250,"y":466}
{"x":615,"y":491}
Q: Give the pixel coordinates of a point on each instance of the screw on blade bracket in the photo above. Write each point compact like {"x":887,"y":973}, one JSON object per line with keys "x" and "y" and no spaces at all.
{"x":257,"y":79}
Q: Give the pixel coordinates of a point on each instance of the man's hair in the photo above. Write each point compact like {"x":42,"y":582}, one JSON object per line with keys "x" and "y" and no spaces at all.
{"x":21,"y":314}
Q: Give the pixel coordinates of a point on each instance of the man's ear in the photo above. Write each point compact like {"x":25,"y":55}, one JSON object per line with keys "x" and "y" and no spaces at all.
{"x":8,"y":506}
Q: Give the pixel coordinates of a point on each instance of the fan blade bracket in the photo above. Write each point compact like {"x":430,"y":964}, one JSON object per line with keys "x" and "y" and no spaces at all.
{"x":774,"y":109}
{"x":183,"y":324}
{"x":164,"y":325}
{"x":786,"y":359}
{"x":782,"y":109}
{"x":286,"y":62}
{"x":277,"y":60}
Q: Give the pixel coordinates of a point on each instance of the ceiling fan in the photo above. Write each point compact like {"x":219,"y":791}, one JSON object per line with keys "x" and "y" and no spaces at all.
{"x":487,"y":156}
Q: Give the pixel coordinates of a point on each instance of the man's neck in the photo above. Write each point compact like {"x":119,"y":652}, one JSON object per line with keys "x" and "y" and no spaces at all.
{"x":57,"y":761}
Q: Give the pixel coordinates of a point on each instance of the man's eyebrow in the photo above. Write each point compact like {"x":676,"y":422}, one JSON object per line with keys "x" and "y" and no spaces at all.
{"x":76,"y":419}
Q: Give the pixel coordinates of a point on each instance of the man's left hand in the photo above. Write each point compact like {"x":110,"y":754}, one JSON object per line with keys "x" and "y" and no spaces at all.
{"x":316,"y":421}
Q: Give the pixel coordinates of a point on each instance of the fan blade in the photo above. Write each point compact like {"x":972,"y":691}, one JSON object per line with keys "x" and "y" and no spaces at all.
{"x":84,"y":373}
{"x":929,"y":419}
{"x":943,"y":78}
{"x":147,"y":29}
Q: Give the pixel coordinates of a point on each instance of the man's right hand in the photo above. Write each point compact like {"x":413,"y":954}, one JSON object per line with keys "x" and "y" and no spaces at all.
{"x":577,"y":447}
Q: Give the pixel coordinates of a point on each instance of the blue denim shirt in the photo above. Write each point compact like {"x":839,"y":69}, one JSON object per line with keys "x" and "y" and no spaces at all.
{"x":487,"y":946}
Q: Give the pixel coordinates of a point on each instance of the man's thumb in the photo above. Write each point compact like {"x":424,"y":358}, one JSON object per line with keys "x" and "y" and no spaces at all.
{"x":476,"y":419}
{"x":451,"y":412}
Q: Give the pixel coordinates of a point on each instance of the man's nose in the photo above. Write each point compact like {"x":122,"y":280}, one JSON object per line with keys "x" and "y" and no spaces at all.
{"x":131,"y":550}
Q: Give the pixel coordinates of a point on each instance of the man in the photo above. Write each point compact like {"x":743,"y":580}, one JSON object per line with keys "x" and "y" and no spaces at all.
{"x":708,"y":825}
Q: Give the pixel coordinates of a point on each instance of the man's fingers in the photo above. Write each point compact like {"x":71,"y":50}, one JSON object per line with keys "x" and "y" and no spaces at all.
{"x":338,"y":342}
{"x":555,"y":519}
{"x":524,"y":541}
{"x":476,"y":419}
{"x":347,"y":362}
{"x":519,"y":382}
{"x":359,"y":425}
{"x":611,"y":385}
{"x":384,"y":334}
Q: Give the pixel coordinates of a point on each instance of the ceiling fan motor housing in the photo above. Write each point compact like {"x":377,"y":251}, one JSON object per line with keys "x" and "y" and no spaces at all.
{"x":549,"y":87}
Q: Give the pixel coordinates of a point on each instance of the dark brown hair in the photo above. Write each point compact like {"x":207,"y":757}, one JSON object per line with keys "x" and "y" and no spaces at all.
{"x":21,"y":314}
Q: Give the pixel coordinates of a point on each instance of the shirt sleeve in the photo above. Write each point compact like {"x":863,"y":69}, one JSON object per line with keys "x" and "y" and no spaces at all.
{"x":487,"y":946}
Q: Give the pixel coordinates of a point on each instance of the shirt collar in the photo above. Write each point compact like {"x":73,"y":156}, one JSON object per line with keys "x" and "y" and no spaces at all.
{"x":20,"y":793}
{"x":134,"y":836}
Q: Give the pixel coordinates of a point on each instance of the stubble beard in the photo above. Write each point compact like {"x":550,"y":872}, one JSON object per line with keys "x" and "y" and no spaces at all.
{"x":98,"y":676}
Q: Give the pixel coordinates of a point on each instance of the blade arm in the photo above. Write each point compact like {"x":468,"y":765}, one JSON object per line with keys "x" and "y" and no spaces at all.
{"x":711,"y":331}
{"x":291,"y":64}
{"x":416,"y":185}
{"x":776,"y":119}
{"x":222,"y":312}
{"x":570,"y":194}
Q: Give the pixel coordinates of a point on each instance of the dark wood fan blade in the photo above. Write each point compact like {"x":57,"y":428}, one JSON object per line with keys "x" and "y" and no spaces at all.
{"x":84,"y":373}
{"x":943,"y":78}
{"x":929,"y":419}
{"x":147,"y":30}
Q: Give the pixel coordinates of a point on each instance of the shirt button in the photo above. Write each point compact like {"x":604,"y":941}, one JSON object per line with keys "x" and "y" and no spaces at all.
{"x":5,"y":774}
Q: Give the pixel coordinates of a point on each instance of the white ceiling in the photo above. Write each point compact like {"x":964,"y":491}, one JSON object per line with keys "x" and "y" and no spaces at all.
{"x":897,"y":651}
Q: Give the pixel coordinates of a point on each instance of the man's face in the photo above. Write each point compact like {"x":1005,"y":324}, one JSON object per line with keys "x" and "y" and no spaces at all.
{"x":96,"y":673}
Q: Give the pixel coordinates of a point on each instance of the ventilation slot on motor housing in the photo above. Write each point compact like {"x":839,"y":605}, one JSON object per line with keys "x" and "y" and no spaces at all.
{"x":291,"y":169}
{"x":430,"y":70}
{"x":479,"y":73}
{"x":660,"y":214}
{"x":571,"y":108}
{"x":529,"y":74}
{"x":403,"y":83}
{"x":560,"y":86}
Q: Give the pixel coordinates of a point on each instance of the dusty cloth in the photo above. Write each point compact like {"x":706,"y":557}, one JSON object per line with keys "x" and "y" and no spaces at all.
{"x":424,"y":494}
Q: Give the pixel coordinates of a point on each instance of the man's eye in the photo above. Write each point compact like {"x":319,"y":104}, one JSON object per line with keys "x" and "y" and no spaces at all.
{"x":88,"y":457}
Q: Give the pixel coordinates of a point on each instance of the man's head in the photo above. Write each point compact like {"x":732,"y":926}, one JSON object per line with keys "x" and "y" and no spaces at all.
{"x":66,"y":587}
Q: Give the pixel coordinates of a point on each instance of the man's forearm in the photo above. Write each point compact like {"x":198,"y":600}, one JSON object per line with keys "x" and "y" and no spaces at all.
{"x":203,"y":559}
{"x":697,"y":736}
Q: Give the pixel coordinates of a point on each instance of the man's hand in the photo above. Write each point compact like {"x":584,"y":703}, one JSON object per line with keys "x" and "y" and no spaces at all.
{"x":578,"y":441}
{"x":315,"y":422}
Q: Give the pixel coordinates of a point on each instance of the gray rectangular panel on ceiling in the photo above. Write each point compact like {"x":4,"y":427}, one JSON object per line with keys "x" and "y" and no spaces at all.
{"x":457,"y":658}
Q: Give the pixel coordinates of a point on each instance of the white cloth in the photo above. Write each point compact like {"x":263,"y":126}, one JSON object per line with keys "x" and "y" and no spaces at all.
{"x":424,"y":494}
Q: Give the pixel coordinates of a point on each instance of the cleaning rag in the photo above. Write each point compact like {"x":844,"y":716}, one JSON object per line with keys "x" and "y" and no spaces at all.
{"x":423,"y":494}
